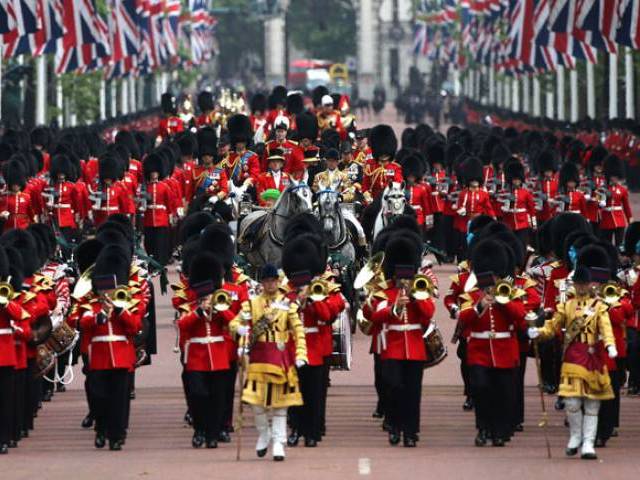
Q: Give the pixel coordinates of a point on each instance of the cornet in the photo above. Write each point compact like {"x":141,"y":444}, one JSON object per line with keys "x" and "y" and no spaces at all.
{"x":318,"y":290}
{"x":421,"y":288}
{"x":610,"y":293}
{"x":121,"y":297}
{"x":6,"y":293}
{"x":503,"y":292}
{"x":221,"y":300}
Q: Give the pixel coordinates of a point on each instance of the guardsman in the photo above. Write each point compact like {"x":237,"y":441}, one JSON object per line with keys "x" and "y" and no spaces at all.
{"x":277,"y":102}
{"x":16,"y":206}
{"x":597,"y":183}
{"x":208,"y":178}
{"x":109,"y":196}
{"x":472,"y":201}
{"x":587,"y":330}
{"x":157,"y":208}
{"x":63,"y":201}
{"x":268,"y":327}
{"x":546,"y":162}
{"x":570,"y":199}
{"x":259,"y":121}
{"x":329,"y":118}
{"x":170,"y":124}
{"x":615,"y":210}
{"x":402,"y":320}
{"x":110,"y":322}
{"x":493,"y":325}
{"x":380,"y":170}
{"x":208,"y":114}
{"x":206,"y":358}
{"x":414,"y":168}
{"x":242,"y":165}
{"x":274,"y":177}
{"x":518,"y":206}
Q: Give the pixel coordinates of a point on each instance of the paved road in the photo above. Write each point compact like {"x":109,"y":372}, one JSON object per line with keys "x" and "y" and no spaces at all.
{"x":159,"y":444}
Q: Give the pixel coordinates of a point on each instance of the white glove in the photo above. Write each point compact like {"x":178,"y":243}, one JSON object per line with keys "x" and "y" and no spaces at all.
{"x":213,"y":199}
{"x":533,"y":333}
{"x":504,"y":208}
{"x":300,"y":363}
{"x":602,"y":204}
{"x":613,"y":352}
{"x":242,"y":330}
{"x":242,"y":351}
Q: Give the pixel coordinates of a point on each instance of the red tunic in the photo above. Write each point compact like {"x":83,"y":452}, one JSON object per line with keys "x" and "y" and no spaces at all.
{"x":241,"y":167}
{"x":66,"y":205}
{"x":549,"y":188}
{"x":420,"y":201}
{"x":288,"y":148}
{"x":115,"y":200}
{"x":593,"y":209}
{"x":12,"y":315}
{"x":170,"y":126}
{"x":617,"y":212}
{"x":205,"y":349}
{"x":159,"y":205}
{"x":376,"y":177}
{"x":522,"y":210}
{"x":20,"y":209}
{"x":210,"y":181}
{"x":267,"y":181}
{"x":473,"y":203}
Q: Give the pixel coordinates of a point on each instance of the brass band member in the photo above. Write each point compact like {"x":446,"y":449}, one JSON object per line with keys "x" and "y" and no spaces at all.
{"x":269,"y":327}
{"x":584,"y":379}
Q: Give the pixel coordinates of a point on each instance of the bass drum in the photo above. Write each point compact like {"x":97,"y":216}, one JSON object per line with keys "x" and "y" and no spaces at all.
{"x":434,"y":345}
{"x":45,"y":360}
{"x":62,"y":339}
{"x":341,"y":356}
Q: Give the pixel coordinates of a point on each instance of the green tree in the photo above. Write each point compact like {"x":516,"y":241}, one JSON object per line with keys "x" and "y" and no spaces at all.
{"x":323,"y":28}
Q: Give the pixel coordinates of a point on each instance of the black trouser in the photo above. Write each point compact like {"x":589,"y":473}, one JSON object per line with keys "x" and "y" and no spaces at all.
{"x":493,"y":394}
{"x":87,"y":385}
{"x":460,"y":244}
{"x":156,"y":243}
{"x":609,"y":413}
{"x":309,"y":415}
{"x":131,"y":386}
{"x":519,"y":409}
{"x":110,"y":393}
{"x":550,"y":358}
{"x":232,"y":374}
{"x":207,"y":391}
{"x":7,"y":398}
{"x":33,"y":393}
{"x":437,"y":233}
{"x":615,"y":236}
{"x":464,"y":368}
{"x":20,"y":386}
{"x":72,"y":237}
{"x":633,"y":357}
{"x":595,"y":227}
{"x":326,"y":369}
{"x":379,"y":384}
{"x":403,"y":379}
{"x":523,"y":236}
{"x":449,"y":231}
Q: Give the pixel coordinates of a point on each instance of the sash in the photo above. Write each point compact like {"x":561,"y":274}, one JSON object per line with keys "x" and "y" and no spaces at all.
{"x":239,"y":166}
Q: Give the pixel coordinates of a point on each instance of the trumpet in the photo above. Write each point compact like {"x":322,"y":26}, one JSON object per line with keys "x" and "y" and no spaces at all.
{"x":121,"y":297}
{"x":610,"y":293}
{"x":421,"y":288}
{"x":318,"y":290}
{"x":6,"y":293}
{"x":221,"y":300}
{"x":503,"y":292}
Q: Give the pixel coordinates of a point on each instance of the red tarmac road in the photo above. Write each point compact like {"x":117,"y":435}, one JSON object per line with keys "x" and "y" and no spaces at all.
{"x":159,"y":445}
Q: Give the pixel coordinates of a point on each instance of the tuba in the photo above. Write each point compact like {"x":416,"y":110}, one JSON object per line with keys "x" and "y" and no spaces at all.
{"x":6,"y":293}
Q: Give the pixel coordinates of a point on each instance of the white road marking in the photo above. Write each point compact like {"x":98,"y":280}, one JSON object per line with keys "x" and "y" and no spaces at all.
{"x":364,"y":466}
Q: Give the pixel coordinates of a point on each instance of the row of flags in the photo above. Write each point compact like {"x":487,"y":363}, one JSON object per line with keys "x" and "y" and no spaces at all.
{"x":524,"y":36}
{"x":134,"y":37}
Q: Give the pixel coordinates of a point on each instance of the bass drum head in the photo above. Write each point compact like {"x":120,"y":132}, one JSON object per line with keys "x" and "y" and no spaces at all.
{"x":434,"y":345}
{"x":342,"y":342}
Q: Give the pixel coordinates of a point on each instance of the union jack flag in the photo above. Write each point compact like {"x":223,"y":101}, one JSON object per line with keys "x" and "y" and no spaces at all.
{"x":628,"y":32}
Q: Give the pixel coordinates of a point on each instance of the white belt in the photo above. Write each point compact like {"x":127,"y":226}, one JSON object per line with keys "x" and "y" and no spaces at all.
{"x":519,"y":210}
{"x":108,"y":209}
{"x":405,"y":327}
{"x":216,"y":339}
{"x":157,"y":207}
{"x":62,"y":205}
{"x":490,"y":335}
{"x":416,"y":207}
{"x":613,"y":209}
{"x":6,"y":331}
{"x":311,"y":330}
{"x":574,"y":211}
{"x":109,"y":338}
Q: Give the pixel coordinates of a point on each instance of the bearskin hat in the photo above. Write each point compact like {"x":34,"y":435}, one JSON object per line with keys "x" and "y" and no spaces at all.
{"x":45,"y":232}
{"x":515,"y":245}
{"x":598,"y":154}
{"x":472,"y":170}
{"x":300,"y":224}
{"x":42,"y":248}
{"x":612,"y":253}
{"x":112,"y":261}
{"x":123,"y":222}
{"x":190,"y":249}
{"x":574,"y":242}
{"x":408,"y":138}
{"x":258,"y":103}
{"x":415,"y":165}
{"x":568,"y":173}
{"x":545,"y":161}
{"x":187,"y":143}
{"x":153,"y":163}
{"x":61,"y":165}
{"x":512,"y":170}
{"x":206,"y":268}
{"x":330,"y":139}
{"x":543,"y":241}
{"x":109,"y":167}
{"x":613,"y":167}
{"x":592,"y":260}
{"x":301,"y":259}
{"x":383,"y":141}
{"x":479,"y":222}
{"x":4,"y":265}
{"x":6,"y":151}
{"x":41,"y":136}
{"x":127,"y":138}
{"x":280,"y":91}
{"x":563,"y":225}
{"x":491,"y":256}
{"x":194,"y":224}
{"x":112,"y":235}
{"x":307,"y":126}
{"x":295,"y":104}
{"x":207,"y":140}
{"x":168,"y":104}
{"x":632,"y":239}
{"x":205,"y":101}
{"x":14,"y":173}
{"x":25,"y":243}
{"x":239,"y":127}
{"x":86,"y":253}
{"x":500,"y":154}
{"x":401,"y":257}
{"x":16,"y":267}
{"x":216,"y":238}
{"x":317,"y":94}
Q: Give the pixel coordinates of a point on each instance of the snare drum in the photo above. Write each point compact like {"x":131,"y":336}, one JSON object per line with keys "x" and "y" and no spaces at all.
{"x":341,"y":356}
{"x":62,"y":339}
{"x":45,"y":360}
{"x":434,"y":345}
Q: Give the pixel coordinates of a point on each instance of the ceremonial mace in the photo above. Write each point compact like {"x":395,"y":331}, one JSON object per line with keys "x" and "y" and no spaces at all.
{"x":531,"y":318}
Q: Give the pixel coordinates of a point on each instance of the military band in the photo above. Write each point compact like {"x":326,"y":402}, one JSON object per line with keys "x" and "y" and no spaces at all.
{"x":541,"y":228}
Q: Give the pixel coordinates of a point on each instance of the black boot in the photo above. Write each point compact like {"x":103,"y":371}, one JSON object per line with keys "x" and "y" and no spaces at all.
{"x":293,"y":439}
{"x":224,"y":437}
{"x":87,"y":422}
{"x":13,"y":444}
{"x":47,"y":395}
{"x":188,"y":419}
{"x":4,"y":449}
{"x":198,"y":440}
{"x":497,"y":442}
{"x":409,"y":441}
{"x":212,"y":443}
{"x":115,"y":445}
{"x":468,"y":404}
{"x":310,"y":442}
{"x":61,"y":388}
{"x":481,"y":438}
{"x":100,"y":441}
{"x":394,"y":438}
